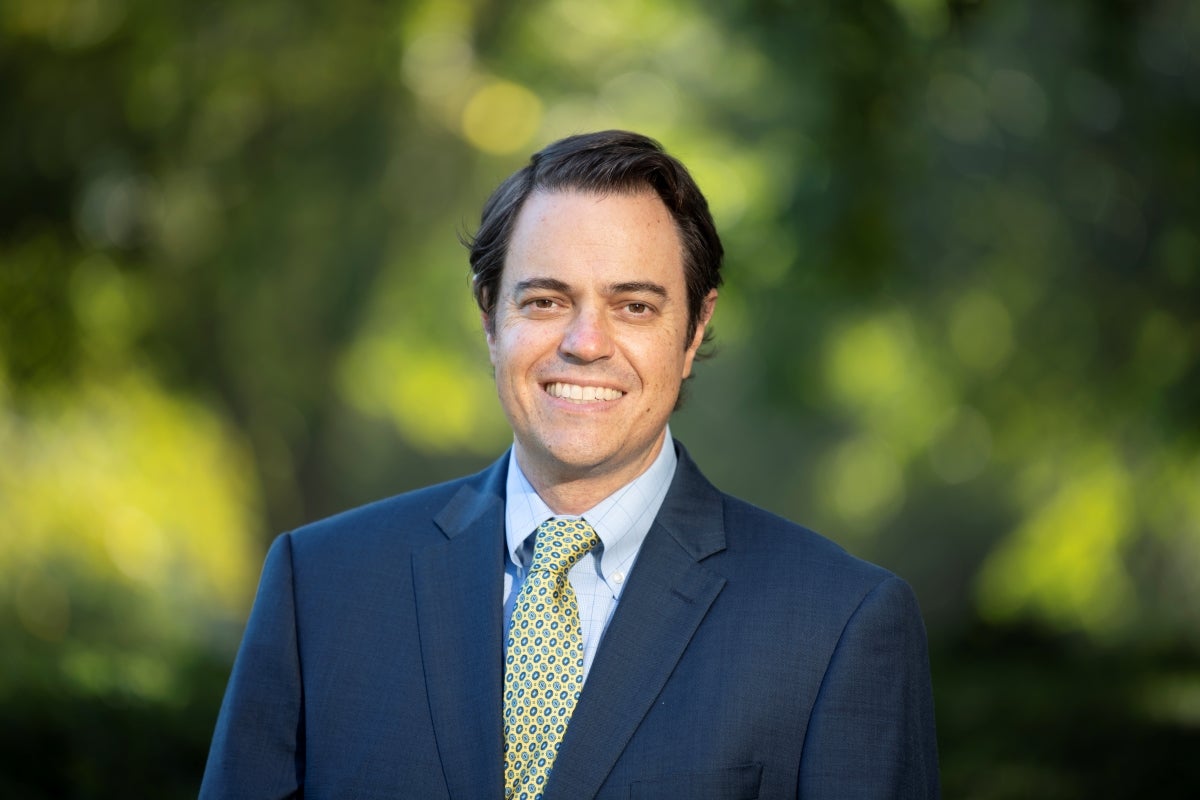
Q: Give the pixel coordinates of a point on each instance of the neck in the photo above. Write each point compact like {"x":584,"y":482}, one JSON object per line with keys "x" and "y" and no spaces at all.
{"x":573,"y":490}
{"x":573,"y":497}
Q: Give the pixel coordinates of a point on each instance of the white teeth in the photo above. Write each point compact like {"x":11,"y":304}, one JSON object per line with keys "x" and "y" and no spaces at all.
{"x":582,"y":394}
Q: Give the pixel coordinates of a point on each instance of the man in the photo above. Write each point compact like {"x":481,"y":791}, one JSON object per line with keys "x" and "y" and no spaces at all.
{"x":588,"y":617}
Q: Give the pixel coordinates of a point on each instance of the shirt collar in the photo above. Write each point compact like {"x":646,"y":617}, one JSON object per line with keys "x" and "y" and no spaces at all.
{"x":621,"y":520}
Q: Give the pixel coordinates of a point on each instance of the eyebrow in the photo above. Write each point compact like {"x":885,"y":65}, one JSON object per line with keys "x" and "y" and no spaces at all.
{"x":551,"y":284}
{"x":634,"y":287}
{"x":555,"y":285}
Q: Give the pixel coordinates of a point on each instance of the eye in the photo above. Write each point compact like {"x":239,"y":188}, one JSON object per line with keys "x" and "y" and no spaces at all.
{"x":540,"y":304}
{"x":637,"y":308}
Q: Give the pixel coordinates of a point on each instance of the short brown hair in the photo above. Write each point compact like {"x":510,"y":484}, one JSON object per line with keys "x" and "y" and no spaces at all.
{"x":604,"y":162}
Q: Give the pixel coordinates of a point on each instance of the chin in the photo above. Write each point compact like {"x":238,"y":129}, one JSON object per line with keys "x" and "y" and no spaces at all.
{"x":567,"y":453}
{"x":580,"y":457}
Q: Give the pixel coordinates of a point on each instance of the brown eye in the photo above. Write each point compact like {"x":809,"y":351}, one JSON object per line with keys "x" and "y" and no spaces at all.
{"x":638,"y":308}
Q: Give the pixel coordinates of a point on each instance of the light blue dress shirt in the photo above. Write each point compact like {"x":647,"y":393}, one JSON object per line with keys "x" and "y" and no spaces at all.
{"x":621,"y":520}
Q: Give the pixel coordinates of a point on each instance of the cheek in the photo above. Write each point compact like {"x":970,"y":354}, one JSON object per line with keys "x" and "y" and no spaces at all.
{"x":513,"y":352}
{"x":662,"y":364}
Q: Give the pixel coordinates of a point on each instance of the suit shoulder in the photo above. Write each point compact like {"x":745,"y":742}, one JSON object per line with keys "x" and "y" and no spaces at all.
{"x":407,"y":518}
{"x":792,"y":546}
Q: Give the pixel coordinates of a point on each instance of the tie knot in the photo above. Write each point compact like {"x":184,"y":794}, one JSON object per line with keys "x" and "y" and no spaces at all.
{"x":562,"y":542}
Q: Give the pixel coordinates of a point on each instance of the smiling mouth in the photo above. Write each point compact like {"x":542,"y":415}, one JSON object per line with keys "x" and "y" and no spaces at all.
{"x":582,"y":394}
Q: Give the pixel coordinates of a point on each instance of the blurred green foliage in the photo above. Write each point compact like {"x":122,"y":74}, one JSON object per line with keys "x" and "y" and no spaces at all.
{"x":959,"y":332}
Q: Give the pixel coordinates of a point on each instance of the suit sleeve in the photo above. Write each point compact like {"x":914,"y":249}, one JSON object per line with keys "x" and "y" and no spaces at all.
{"x":258,"y":748}
{"x":871,"y":734}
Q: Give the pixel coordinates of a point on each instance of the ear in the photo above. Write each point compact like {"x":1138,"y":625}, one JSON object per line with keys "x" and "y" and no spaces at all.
{"x":489,"y":334}
{"x":706,"y":311}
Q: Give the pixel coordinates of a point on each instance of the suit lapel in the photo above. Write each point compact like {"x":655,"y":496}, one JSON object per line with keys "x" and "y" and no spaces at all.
{"x":459,"y":586}
{"x":668,"y":595}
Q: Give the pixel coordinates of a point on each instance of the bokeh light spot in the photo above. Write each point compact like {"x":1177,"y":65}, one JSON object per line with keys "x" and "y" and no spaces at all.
{"x":863,"y":483}
{"x":925,"y":18}
{"x":501,"y":117}
{"x":42,"y":605}
{"x":1064,"y":562}
{"x":981,"y":331}
{"x":1017,"y":102}
{"x":958,"y":107}
{"x":868,"y":360}
{"x":437,"y":400}
{"x":962,"y":448}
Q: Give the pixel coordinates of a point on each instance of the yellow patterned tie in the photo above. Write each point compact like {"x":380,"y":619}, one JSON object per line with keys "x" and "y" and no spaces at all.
{"x":543,"y":671}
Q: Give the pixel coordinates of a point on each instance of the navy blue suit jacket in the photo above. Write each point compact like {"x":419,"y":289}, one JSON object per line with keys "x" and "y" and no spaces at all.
{"x":748,"y":657}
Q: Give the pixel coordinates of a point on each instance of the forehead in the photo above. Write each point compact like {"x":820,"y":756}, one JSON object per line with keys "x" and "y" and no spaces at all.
{"x":570,"y":231}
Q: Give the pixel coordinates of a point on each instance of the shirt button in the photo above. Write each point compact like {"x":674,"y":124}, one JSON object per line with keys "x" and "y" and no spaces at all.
{"x":618,"y":578}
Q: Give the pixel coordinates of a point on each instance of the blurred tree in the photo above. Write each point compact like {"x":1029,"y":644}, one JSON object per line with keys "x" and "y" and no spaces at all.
{"x":958,"y":330}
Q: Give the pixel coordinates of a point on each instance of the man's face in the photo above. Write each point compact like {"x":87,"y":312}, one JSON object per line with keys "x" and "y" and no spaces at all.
{"x":589,"y":339}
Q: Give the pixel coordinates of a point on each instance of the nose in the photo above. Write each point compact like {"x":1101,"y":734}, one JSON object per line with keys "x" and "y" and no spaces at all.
{"x":587,"y":337}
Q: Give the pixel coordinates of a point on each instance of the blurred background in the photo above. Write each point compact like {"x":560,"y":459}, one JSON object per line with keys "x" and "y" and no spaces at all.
{"x":959,"y":334}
